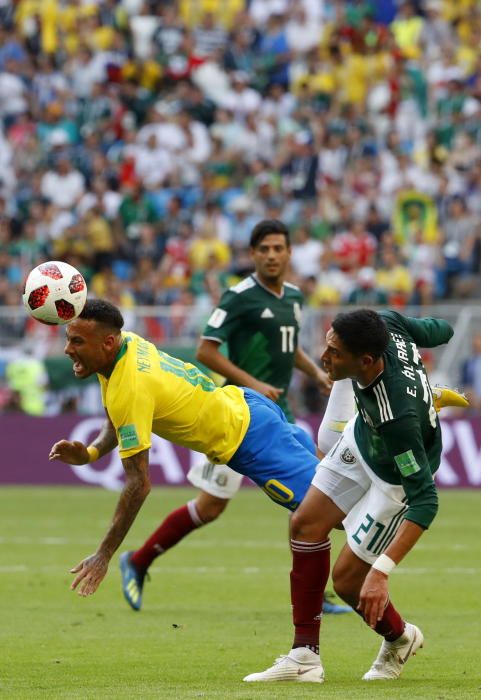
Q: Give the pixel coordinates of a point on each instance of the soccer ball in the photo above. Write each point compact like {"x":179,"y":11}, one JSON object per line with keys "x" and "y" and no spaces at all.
{"x":55,"y":293}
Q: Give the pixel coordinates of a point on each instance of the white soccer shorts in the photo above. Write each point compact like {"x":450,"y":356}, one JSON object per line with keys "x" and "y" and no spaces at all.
{"x":374,"y":509}
{"x":217,"y":479}
{"x":340,"y":408}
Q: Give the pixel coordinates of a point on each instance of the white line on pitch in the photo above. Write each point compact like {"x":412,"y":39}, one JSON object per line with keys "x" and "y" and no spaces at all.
{"x":248,"y":570}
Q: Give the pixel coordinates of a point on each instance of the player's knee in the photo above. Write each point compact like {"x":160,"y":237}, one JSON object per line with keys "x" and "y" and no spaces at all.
{"x":209,"y":509}
{"x":304,"y":527}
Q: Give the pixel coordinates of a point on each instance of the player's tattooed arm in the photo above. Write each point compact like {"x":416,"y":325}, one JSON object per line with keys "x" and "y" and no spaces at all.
{"x":134,"y":493}
{"x":91,"y":571}
{"x":77,"y":453}
{"x":106,"y":440}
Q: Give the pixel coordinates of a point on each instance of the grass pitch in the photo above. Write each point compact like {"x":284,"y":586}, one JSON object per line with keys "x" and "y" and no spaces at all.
{"x":217,"y":606}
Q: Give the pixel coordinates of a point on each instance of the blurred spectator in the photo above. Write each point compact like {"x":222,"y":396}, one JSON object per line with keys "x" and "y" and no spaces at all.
{"x":461,"y":248}
{"x":167,"y":37}
{"x":299,"y":169}
{"x":153,"y":165}
{"x":209,"y":37}
{"x":425,"y":266}
{"x":238,"y":56}
{"x":354,"y":248}
{"x":366,"y":292}
{"x":27,"y":379}
{"x":241,"y":99}
{"x":63,"y":185}
{"x":394,"y":278}
{"x":274,"y":51}
{"x":206,"y":244}
{"x":13,"y":92}
{"x":306,"y":254}
{"x":471,"y":374}
{"x":135,"y":208}
{"x":242,"y":222}
{"x":143,"y":140}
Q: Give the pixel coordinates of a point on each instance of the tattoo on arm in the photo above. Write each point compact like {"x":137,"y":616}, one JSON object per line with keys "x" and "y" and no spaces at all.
{"x":106,"y":440}
{"x":134,"y":493}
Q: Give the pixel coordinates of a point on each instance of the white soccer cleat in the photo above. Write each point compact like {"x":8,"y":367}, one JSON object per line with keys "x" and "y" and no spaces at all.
{"x":393,"y":655}
{"x":300,"y":665}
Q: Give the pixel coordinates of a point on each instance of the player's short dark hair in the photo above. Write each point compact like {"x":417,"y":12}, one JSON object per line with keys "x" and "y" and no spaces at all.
{"x":266,"y":227}
{"x":362,"y":332}
{"x":104,"y":312}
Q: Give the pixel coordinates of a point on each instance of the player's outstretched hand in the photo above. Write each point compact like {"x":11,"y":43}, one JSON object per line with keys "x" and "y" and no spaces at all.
{"x":91,"y":572}
{"x":374,"y":597}
{"x":271,"y":392}
{"x":69,"y":452}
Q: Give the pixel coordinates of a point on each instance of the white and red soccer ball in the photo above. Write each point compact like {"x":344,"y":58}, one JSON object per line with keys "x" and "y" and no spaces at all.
{"x":55,"y":293}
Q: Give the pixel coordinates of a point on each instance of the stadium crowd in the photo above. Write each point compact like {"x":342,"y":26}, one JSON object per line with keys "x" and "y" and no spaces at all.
{"x":141,"y":141}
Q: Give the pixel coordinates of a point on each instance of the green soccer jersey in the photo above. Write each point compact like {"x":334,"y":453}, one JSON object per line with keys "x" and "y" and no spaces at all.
{"x":261,"y":330}
{"x":397,"y":429}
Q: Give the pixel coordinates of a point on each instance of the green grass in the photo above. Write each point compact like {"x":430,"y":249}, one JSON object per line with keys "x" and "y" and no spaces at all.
{"x":226,"y":590}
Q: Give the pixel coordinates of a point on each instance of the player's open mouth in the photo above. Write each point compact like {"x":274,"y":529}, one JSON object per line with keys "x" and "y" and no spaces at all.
{"x":77,"y":367}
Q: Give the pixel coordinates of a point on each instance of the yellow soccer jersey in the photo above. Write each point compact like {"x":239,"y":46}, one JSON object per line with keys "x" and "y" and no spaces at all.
{"x":149,"y":391}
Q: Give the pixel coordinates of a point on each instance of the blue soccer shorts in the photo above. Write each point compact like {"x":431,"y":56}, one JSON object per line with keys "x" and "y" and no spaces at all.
{"x":278,"y":456}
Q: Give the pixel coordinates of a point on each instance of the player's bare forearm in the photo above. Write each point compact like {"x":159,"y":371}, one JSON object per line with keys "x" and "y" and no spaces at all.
{"x":76,"y":452}
{"x":134,"y":493}
{"x":209,"y":354}
{"x":92,"y":570}
{"x":306,"y":364}
{"x":106,"y":440}
{"x":375,"y":589}
{"x":405,"y":539}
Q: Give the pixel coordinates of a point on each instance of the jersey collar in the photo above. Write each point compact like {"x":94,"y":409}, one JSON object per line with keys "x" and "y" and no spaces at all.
{"x":120,"y":354}
{"x":257,"y":280}
{"x":376,"y":379}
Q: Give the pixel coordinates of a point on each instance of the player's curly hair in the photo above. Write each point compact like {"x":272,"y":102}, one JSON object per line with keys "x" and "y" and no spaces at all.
{"x":362,"y":332}
{"x":266,"y":227}
{"x":104,"y":312}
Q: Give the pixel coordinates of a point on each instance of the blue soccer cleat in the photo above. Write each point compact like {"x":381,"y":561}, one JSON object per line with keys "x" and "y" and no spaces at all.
{"x":132,"y":581}
{"x":330,"y":608}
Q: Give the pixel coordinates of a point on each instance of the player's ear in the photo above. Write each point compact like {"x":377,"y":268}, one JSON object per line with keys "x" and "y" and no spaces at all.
{"x":367,"y":361}
{"x":109,"y":341}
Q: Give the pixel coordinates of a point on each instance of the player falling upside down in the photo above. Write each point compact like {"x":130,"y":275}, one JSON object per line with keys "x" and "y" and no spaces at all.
{"x":146,"y":391}
{"x":377,"y":480}
{"x":259,"y":320}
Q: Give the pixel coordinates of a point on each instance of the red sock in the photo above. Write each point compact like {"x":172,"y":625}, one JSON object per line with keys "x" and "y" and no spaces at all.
{"x":310,"y":571}
{"x":175,"y":527}
{"x":391,"y":625}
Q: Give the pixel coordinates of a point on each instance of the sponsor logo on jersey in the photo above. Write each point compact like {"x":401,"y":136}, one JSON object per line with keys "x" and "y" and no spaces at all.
{"x":217,"y":318}
{"x":267,"y":313}
{"x":347,"y":456}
